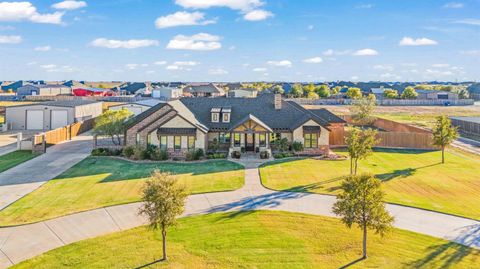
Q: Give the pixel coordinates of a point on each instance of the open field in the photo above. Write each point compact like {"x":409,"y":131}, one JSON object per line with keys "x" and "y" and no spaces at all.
{"x":97,"y":181}
{"x":258,"y":240}
{"x":15,"y":158}
{"x":420,"y":116}
{"x":410,"y":178}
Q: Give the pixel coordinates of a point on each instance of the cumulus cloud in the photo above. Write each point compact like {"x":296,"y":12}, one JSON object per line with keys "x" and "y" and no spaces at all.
{"x":201,"y":41}
{"x":160,"y":63}
{"x":434,"y":72}
{"x":123,"y":44}
{"x":385,"y":67}
{"x":475,"y":22}
{"x":42,"y":48}
{"x":182,"y":65}
{"x":314,"y":60}
{"x":364,"y":6}
{"x":331,"y":52}
{"x":10,"y":39}
{"x":257,"y":15}
{"x":453,"y":5}
{"x":217,"y":71}
{"x":70,"y":5}
{"x":408,"y":41}
{"x":365,"y":52}
{"x":182,"y":18}
{"x":25,"y":11}
{"x":283,"y":63}
{"x":259,"y":69}
{"x":440,"y":65}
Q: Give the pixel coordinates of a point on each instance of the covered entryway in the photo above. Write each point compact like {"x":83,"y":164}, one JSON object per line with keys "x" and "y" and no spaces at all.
{"x":34,"y":120}
{"x":250,"y":142}
{"x":59,"y":118}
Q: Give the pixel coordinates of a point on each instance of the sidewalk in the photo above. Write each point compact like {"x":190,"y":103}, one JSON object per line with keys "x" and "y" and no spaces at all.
{"x":28,"y":176}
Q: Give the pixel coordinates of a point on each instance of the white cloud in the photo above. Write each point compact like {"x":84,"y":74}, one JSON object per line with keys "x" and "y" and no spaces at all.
{"x":390,"y":75}
{"x":453,"y":5}
{"x":385,"y":67}
{"x":48,"y":66}
{"x":6,"y":28}
{"x":469,"y":22}
{"x":182,"y":18}
{"x":257,"y":15}
{"x":160,"y":63}
{"x":243,"y":5}
{"x":70,"y":5}
{"x":408,"y":41}
{"x":331,"y":52}
{"x":31,"y":63}
{"x":201,"y":41}
{"x":10,"y":39}
{"x":182,"y":65}
{"x":283,"y":63}
{"x":440,"y":65}
{"x":365,"y":52}
{"x":58,"y":69}
{"x":434,"y":72}
{"x":43,"y":48}
{"x":123,"y":44}
{"x":310,"y":27}
{"x":172,"y":67}
{"x":314,"y":60}
{"x":354,"y":78}
{"x":217,"y":72}
{"x":259,"y":69}
{"x":131,"y":66}
{"x":25,"y":11}
{"x":365,"y":6}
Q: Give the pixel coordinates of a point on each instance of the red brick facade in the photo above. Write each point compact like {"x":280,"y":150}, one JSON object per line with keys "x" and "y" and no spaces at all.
{"x":147,"y":125}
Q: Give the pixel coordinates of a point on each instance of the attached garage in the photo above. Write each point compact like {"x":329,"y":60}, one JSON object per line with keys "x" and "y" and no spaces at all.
{"x":50,"y":115}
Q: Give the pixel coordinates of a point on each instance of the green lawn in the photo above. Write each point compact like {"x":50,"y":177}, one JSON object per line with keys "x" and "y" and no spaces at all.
{"x":101,"y":181}
{"x":410,"y":178}
{"x":15,"y":158}
{"x":258,"y":240}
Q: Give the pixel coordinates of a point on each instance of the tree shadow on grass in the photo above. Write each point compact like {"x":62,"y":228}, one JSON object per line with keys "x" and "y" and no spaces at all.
{"x":450,"y":254}
{"x":149,"y":264}
{"x":315,"y":186}
{"x":351,"y":263}
{"x":401,"y":173}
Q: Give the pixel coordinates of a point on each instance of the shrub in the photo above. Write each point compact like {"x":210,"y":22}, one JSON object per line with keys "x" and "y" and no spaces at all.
{"x":264,"y":155}
{"x":297,"y":146}
{"x":236,"y":154}
{"x":140,"y":153}
{"x":217,"y":156}
{"x":106,"y":152}
{"x":199,"y":154}
{"x":128,"y":151}
{"x":190,"y":156}
{"x":159,"y":155}
{"x":283,"y":155}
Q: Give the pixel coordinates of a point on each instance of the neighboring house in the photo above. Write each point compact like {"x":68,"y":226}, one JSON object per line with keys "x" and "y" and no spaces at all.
{"x":233,"y":86}
{"x":239,"y":124}
{"x":137,"y":107}
{"x":87,"y":91}
{"x":44,"y":90}
{"x":50,"y":115}
{"x":203,"y":90}
{"x":243,"y":92}
{"x":167,"y":93}
{"x":14,"y":85}
{"x":467,"y":125}
{"x":135,"y":88}
{"x":474,"y":91}
{"x":436,"y":95}
{"x":74,"y":84}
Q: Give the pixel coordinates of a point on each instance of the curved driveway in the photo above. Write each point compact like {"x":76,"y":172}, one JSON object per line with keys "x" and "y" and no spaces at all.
{"x":23,"y":242}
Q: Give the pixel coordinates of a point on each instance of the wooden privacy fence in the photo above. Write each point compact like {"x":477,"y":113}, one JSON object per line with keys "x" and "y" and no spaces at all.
{"x":387,"y":102}
{"x":60,"y":134}
{"x":396,"y":135}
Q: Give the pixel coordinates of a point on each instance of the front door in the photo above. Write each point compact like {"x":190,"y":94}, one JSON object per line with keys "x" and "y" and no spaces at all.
{"x":250,"y":142}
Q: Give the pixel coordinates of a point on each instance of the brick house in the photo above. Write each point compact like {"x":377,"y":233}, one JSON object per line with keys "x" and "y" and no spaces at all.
{"x":238,"y":124}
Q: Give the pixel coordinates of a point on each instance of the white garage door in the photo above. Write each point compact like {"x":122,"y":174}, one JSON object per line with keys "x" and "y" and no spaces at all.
{"x":34,"y":120}
{"x":59,"y":119}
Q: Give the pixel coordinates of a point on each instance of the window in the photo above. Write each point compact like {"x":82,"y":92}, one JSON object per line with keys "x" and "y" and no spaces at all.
{"x":138,"y":138}
{"x":274,"y":137}
{"x":163,"y":142}
{"x":224,"y":138}
{"x":191,"y":142}
{"x":226,"y":117}
{"x":215,"y":117}
{"x":262,"y":140}
{"x":177,"y":144}
{"x":311,"y":140}
{"x":236,"y":140}
{"x":149,"y":139}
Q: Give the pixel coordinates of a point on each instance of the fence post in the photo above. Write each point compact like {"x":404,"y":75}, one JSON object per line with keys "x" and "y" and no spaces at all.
{"x":19,"y":141}
{"x":44,"y":143}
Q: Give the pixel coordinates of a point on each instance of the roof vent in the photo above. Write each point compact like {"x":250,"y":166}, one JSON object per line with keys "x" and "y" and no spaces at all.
{"x":278,"y":101}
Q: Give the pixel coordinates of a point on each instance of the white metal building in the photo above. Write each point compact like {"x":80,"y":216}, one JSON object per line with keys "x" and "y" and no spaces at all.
{"x":137,"y":107}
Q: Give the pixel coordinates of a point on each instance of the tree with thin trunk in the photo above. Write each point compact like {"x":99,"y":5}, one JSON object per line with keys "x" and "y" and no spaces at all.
{"x":112,"y":123}
{"x":361,"y":202}
{"x":362,"y":110}
{"x":360,"y":144}
{"x":444,"y":134}
{"x":163,"y":201}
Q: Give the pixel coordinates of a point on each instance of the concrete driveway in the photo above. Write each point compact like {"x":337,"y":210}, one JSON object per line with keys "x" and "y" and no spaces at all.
{"x":28,"y":176}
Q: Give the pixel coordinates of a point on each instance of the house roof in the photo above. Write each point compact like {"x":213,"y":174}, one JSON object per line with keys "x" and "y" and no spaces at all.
{"x":253,"y":118}
{"x":204,"y":88}
{"x":149,"y":102}
{"x":326,"y":115}
{"x":467,"y":119}
{"x":69,"y":103}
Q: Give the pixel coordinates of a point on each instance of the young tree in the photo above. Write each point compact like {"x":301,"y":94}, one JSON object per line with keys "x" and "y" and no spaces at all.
{"x":312,"y":95}
{"x":163,"y":201}
{"x":308,"y":88}
{"x":409,"y":93}
{"x":390,"y":94}
{"x":323,"y":91}
{"x":444,"y":133}
{"x":362,"y":110}
{"x":278,"y":89}
{"x":111,"y":123}
{"x":296,"y":91}
{"x":361,"y":203}
{"x":360,"y":144}
{"x":335,"y":90}
{"x":354,"y":93}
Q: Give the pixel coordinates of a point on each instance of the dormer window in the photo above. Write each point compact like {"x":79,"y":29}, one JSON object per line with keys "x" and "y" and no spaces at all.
{"x":216,"y":114}
{"x":226,"y":111}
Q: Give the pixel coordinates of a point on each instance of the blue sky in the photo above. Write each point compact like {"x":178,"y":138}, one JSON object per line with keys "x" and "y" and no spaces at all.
{"x":240,"y":40}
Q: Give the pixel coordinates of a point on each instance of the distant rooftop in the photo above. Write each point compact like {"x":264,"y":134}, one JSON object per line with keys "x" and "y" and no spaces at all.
{"x":467,"y":119}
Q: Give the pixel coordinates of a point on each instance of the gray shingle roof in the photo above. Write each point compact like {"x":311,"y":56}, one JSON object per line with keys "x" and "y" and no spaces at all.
{"x":68,"y":103}
{"x":207,"y":88}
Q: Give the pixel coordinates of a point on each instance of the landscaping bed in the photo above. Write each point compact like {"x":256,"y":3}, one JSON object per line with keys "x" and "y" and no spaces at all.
{"x":258,"y":239}
{"x":412,"y":178}
{"x":103,"y":181}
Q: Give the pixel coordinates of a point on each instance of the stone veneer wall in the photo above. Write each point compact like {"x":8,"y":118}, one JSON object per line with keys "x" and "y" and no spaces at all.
{"x":145,"y":126}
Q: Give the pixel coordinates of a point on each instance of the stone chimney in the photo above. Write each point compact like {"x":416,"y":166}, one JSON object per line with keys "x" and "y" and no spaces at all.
{"x":278,"y":101}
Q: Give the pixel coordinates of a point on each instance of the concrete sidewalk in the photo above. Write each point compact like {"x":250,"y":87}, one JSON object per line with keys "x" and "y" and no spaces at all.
{"x":26,"y":177}
{"x":24,"y":242}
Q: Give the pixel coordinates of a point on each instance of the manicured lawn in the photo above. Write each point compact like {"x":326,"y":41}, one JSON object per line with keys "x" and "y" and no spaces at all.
{"x":258,"y":240}
{"x":15,"y":158}
{"x":410,"y":178}
{"x":96,"y":182}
